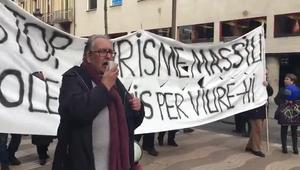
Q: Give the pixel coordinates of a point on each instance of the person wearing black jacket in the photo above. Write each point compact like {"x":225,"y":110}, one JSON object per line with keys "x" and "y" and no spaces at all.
{"x":7,"y":153}
{"x":287,"y":113}
{"x":98,"y":115}
{"x":171,"y":138}
{"x":257,"y":117}
{"x":148,"y":143}
{"x":42,"y":143}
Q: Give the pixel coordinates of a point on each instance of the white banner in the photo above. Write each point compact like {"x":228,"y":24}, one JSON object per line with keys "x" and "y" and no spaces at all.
{"x":190,"y":85}
{"x":181,"y":85}
{"x":27,"y":45}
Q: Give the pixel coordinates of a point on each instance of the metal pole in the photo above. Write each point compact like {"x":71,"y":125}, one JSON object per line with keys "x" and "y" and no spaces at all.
{"x":74,"y":17}
{"x":174,"y":5}
{"x":48,"y":11}
{"x":267,"y":128}
{"x":267,"y":103}
{"x":105,"y":18}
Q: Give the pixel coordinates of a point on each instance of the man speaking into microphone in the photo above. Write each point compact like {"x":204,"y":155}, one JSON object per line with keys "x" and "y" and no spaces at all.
{"x":98,"y":115}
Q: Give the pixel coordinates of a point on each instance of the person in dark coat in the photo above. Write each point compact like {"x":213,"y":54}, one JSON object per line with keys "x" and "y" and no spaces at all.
{"x":13,"y":147}
{"x":171,"y":138}
{"x":148,"y":143}
{"x":98,"y":115}
{"x":257,"y":117}
{"x":7,"y":153}
{"x":241,"y":120}
{"x":42,"y":143}
{"x":3,"y":152}
{"x":288,"y":113}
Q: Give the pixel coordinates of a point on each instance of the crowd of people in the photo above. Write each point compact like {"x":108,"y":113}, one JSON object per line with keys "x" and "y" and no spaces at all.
{"x":287,"y":114}
{"x":99,"y":116}
{"x":8,"y":150}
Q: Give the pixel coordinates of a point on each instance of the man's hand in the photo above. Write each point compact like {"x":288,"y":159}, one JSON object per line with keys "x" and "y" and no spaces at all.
{"x":135,"y":104}
{"x":110,"y":76}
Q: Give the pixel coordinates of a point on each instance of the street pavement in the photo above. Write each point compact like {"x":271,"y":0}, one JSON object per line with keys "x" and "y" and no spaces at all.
{"x":207,"y":150}
{"x":210,"y":147}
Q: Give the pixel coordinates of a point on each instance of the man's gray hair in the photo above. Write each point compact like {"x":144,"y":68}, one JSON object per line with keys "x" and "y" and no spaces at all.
{"x":90,"y":42}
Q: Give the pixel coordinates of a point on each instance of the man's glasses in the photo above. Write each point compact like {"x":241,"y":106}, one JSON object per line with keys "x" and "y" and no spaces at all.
{"x":104,"y":52}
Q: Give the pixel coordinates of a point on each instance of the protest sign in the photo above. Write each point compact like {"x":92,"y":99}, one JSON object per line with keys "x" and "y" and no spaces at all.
{"x":29,"y":105}
{"x":181,"y":85}
{"x":185,"y":85}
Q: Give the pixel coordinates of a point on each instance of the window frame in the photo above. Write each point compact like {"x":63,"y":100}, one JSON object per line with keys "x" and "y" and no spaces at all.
{"x":196,"y":33}
{"x":235,"y":24}
{"x":89,"y":5}
{"x":278,"y":25}
{"x":164,"y":32}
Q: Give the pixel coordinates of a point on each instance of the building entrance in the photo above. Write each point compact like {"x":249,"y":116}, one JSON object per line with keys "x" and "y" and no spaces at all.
{"x":289,"y":63}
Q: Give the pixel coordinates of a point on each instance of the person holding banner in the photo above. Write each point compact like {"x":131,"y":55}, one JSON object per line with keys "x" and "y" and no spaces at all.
{"x":98,"y":115}
{"x":148,"y":143}
{"x":7,"y":154}
{"x":288,"y":111}
{"x":3,"y":152}
{"x":42,"y":142}
{"x":257,"y":117}
{"x":241,"y":121}
{"x":13,"y":147}
{"x":171,"y":138}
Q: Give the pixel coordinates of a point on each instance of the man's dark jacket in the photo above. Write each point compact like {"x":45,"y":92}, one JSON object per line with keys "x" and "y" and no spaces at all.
{"x":79,"y":105}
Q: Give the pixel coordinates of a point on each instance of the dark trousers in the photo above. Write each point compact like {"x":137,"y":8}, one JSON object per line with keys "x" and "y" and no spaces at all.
{"x":284,"y":130}
{"x":171,"y":135}
{"x":240,"y":123}
{"x":8,"y":153}
{"x":14,"y":145}
{"x":42,"y":151}
{"x":148,"y":140}
{"x":3,"y":149}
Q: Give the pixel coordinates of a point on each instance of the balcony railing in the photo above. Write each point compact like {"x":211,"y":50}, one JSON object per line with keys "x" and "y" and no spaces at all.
{"x":47,"y":17}
{"x":63,"y":16}
{"x":59,"y":16}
